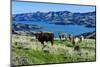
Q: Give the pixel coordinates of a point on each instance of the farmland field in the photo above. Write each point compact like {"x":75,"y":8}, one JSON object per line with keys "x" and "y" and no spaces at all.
{"x":50,"y":33}
{"x":27,"y":50}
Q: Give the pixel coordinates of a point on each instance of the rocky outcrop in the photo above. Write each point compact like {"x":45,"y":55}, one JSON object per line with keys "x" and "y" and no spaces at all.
{"x":89,"y":35}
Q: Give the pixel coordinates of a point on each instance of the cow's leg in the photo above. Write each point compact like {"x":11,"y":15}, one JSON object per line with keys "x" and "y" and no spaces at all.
{"x":60,"y":37}
{"x":42,"y":42}
{"x":52,"y":43}
{"x":73,"y":41}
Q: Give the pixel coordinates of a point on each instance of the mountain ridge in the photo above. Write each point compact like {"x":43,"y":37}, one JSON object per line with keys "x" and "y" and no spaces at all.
{"x":60,"y":17}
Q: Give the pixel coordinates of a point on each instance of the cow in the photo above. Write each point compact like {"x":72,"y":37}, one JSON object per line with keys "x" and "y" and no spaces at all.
{"x":72,"y":40}
{"x":45,"y":37}
{"x":63,"y":36}
{"x":76,"y":40}
{"x":81,"y":38}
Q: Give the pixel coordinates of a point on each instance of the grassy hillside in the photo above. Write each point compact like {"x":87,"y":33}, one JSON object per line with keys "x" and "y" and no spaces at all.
{"x":27,"y":50}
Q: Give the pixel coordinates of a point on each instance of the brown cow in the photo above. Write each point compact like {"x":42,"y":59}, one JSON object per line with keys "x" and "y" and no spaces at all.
{"x":45,"y":37}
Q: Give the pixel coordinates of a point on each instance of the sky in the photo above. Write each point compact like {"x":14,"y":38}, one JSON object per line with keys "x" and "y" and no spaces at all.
{"x":26,"y":7}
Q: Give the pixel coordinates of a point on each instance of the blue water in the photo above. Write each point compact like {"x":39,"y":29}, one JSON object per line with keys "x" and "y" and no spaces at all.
{"x":69,"y":29}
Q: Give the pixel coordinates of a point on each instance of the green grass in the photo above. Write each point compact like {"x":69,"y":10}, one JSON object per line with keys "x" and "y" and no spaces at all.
{"x":63,"y":51}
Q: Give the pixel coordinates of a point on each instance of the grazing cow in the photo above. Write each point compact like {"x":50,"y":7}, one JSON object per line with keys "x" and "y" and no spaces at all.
{"x":63,"y":36}
{"x":76,"y":40}
{"x":81,"y":38}
{"x":71,"y":39}
{"x":45,"y":37}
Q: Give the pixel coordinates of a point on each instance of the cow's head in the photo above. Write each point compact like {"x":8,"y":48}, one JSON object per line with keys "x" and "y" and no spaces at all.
{"x":36,"y":35}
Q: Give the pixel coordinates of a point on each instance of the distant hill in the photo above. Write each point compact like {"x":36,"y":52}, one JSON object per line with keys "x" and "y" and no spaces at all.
{"x":60,"y":17}
{"x":90,"y":35}
{"x":23,"y":27}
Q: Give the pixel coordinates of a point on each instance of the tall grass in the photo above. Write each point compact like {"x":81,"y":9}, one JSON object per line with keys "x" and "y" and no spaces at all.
{"x":63,"y":51}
